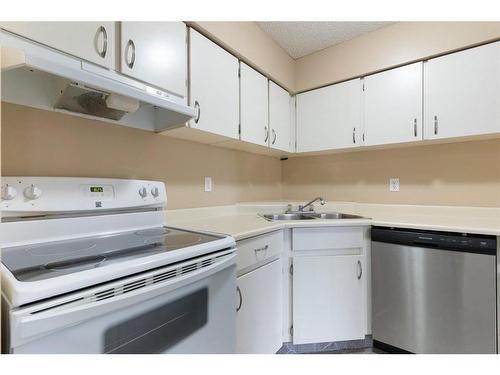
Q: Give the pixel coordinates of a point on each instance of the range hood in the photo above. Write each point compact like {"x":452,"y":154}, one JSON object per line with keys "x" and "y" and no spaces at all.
{"x":37,"y":76}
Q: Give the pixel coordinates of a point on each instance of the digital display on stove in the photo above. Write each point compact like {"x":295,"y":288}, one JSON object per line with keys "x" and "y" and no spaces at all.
{"x":96,"y":189}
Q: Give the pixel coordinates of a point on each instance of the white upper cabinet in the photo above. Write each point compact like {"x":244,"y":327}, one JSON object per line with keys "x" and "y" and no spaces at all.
{"x":393,"y":106}
{"x":254,"y":106}
{"x":279,"y":118}
{"x":214,"y":87}
{"x":155,"y":53}
{"x":462,"y":93}
{"x":91,"y":41}
{"x":330,"y":117}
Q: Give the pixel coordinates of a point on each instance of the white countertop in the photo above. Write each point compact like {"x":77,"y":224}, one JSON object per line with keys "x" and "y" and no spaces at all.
{"x":242,"y":220}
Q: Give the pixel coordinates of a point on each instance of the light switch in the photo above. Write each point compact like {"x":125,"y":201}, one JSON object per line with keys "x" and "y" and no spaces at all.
{"x":208,"y":183}
{"x":394,"y":184}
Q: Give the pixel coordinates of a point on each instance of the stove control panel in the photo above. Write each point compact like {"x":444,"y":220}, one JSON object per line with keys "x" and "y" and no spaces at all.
{"x":30,"y":196}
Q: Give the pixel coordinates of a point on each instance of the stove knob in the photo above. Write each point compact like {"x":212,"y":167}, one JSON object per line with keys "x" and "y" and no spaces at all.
{"x":8,"y":192}
{"x":155,"y":192}
{"x":143,"y":192}
{"x":32,"y":192}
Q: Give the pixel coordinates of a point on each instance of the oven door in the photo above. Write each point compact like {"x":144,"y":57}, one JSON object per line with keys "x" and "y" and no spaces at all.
{"x":186,"y":308}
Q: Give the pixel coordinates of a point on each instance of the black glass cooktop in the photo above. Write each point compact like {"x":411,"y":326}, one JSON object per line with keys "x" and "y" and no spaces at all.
{"x":52,"y":259}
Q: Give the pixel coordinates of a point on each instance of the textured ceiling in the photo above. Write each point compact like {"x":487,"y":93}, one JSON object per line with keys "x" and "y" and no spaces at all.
{"x":302,"y":38}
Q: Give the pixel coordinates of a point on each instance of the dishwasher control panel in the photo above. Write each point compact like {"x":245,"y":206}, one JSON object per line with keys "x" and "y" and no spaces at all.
{"x":465,"y":242}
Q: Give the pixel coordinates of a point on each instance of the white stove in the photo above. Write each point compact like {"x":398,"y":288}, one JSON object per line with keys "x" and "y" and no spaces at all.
{"x":89,"y":266}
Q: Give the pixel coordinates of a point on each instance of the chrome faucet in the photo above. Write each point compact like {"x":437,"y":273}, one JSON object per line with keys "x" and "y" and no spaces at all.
{"x":310,"y":204}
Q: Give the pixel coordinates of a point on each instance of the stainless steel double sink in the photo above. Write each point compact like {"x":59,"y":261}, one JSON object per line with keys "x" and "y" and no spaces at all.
{"x":309,"y":216}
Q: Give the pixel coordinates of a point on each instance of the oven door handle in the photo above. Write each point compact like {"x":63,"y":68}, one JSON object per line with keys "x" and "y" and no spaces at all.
{"x":26,"y":326}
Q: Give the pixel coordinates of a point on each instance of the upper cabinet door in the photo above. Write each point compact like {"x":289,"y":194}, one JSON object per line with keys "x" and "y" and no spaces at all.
{"x":254,"y":105}
{"x":214,"y":87}
{"x":462,"y":93}
{"x":91,"y":41}
{"x":155,"y":53}
{"x":279,"y":118}
{"x":393,"y":106}
{"x":330,"y":117}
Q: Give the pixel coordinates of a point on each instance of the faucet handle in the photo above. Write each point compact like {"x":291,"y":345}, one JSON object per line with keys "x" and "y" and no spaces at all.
{"x":289,"y":208}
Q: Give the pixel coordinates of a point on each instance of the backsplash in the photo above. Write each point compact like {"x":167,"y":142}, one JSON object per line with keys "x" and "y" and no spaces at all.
{"x":43,"y":143}
{"x":37,"y":142}
{"x":458,"y":174}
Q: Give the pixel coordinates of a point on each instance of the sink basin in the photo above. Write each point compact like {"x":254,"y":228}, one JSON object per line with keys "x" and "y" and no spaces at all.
{"x":295,"y":216}
{"x":310,"y":216}
{"x":336,"y":215}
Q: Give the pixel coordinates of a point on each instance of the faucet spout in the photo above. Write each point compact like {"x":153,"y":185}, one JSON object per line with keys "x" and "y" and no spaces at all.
{"x":309,"y":204}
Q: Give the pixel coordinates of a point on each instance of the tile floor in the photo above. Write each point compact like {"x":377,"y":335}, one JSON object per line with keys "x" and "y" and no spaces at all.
{"x":355,"y":351}
{"x":339,"y":347}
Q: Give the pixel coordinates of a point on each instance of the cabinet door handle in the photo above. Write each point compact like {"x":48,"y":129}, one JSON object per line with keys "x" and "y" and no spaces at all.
{"x":238,"y":290}
{"x":435,"y":125}
{"x":130,"y":46}
{"x":415,"y":127}
{"x":274,"y":137}
{"x":354,"y":135}
{"x":266,"y":131}
{"x":263,"y":248}
{"x":102,"y":30}
{"x":197,"y":106}
{"x":360,"y":270}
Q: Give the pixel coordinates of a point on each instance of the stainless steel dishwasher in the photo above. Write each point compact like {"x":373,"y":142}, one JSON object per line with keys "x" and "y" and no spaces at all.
{"x":433,"y":292}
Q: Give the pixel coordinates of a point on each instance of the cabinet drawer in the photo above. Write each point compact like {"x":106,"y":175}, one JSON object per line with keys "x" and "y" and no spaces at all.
{"x":258,"y":249}
{"x":327,"y":238}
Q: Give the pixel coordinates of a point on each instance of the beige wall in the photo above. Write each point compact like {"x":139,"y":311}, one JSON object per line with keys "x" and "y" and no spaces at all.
{"x":387,"y":47}
{"x":247,"y":40}
{"x":55,"y":144}
{"x":464,"y":174}
{"x":43,"y":143}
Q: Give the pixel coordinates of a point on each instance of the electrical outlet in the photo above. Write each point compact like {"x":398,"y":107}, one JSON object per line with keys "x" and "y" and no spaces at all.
{"x":394,"y":184}
{"x":208,"y":183}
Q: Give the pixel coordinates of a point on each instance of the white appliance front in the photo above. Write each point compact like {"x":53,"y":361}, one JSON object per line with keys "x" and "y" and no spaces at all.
{"x":183,"y":308}
{"x":89,"y":266}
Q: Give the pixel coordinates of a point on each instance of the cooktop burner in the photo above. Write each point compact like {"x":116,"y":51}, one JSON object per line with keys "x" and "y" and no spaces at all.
{"x":52,"y":259}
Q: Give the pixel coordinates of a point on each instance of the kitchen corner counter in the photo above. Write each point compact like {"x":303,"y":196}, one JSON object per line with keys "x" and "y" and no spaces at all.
{"x":242,"y":221}
{"x":242,"y":226}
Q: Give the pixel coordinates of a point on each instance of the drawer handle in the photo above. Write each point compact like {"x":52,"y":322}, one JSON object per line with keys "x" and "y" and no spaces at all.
{"x":238,"y":290}
{"x":264,"y":248}
{"x":360,"y":270}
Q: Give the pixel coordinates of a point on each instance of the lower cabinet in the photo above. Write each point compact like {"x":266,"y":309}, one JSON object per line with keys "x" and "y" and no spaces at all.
{"x":329,"y":297}
{"x":259,"y":310}
{"x":259,"y":300}
{"x":329,"y":302}
{"x":330,"y":284}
